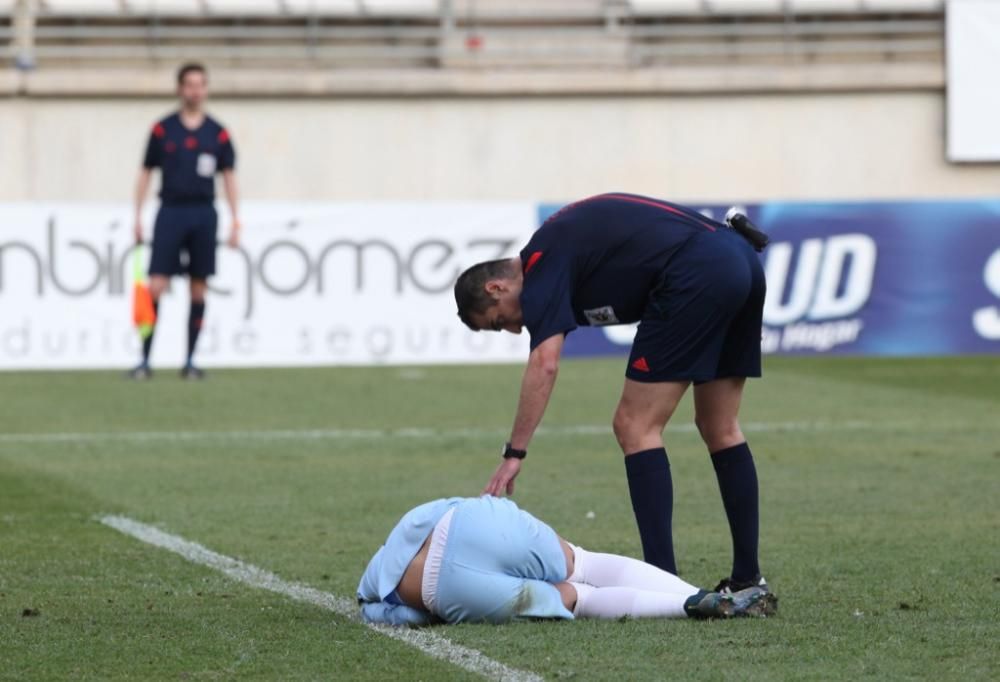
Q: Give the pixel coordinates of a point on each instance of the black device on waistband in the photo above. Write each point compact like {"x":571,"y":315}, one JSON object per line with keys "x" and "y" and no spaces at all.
{"x":739,"y":222}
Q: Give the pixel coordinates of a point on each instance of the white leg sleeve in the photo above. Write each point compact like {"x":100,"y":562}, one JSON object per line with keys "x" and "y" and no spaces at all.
{"x":611,"y":570}
{"x":615,"y":602}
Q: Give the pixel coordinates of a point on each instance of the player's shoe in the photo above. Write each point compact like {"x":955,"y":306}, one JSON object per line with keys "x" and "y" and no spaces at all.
{"x":191,"y":373}
{"x":140,"y":373}
{"x":754,"y":602}
{"x":769,"y":605}
{"x":712,"y":605}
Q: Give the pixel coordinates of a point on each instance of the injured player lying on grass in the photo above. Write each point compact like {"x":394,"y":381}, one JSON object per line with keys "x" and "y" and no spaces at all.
{"x":485,"y":560}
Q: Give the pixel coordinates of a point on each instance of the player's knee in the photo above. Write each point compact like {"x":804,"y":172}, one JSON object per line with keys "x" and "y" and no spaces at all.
{"x":567,"y":593}
{"x":570,"y":556}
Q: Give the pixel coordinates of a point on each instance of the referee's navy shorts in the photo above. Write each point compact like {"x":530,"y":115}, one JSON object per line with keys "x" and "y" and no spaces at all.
{"x":704,"y":319}
{"x":184,"y":239}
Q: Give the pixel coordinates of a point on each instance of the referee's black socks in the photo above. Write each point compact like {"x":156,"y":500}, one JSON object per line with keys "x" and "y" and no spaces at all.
{"x":195,"y":318}
{"x":737,"y":476}
{"x":652,"y":491}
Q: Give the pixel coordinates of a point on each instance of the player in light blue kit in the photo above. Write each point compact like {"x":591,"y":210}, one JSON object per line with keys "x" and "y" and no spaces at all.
{"x":485,"y":560}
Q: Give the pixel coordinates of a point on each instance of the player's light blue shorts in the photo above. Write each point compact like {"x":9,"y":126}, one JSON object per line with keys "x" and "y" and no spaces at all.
{"x":499,"y":564}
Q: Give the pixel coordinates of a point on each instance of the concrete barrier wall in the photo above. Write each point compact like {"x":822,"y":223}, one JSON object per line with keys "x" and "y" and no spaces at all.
{"x":689,"y":148}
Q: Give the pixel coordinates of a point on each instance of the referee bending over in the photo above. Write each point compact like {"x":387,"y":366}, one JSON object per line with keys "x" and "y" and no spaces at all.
{"x":189,"y":147}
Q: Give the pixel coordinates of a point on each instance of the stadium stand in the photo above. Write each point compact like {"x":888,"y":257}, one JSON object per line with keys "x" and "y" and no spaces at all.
{"x":463,"y":36}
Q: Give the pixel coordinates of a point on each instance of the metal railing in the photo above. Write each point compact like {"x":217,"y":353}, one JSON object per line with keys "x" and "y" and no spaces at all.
{"x":458,"y":36}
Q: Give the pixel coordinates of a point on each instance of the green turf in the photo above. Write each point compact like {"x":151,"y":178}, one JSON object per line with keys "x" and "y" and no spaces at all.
{"x":880,"y":521}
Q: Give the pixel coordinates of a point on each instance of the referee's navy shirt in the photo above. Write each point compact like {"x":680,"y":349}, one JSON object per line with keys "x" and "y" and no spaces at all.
{"x":189,"y":159}
{"x":595,"y":262}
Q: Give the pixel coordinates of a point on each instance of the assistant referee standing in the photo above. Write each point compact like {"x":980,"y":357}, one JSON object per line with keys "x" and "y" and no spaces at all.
{"x":190,"y":148}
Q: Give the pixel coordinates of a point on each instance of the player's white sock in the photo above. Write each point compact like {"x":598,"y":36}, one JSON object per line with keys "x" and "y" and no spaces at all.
{"x":611,"y":570}
{"x":616,"y":602}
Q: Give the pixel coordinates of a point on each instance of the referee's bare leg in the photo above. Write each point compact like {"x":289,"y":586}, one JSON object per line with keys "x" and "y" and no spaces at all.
{"x":643,"y":412}
{"x":157,"y":285}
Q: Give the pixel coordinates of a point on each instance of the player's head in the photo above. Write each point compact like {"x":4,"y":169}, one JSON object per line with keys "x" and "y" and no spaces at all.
{"x":487,"y":295}
{"x":192,"y":85}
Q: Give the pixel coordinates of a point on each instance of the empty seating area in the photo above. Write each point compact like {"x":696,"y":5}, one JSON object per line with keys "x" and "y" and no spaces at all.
{"x":432,"y":9}
{"x":435,"y":34}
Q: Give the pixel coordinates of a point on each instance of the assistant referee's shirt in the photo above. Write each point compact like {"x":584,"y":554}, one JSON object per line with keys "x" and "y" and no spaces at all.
{"x":189,"y":159}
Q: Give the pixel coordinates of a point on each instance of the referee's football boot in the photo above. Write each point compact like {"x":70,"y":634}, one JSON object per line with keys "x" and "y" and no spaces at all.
{"x":140,"y":373}
{"x":748,"y":603}
{"x":754,"y":602}
{"x":191,"y":373}
{"x":734,"y":587}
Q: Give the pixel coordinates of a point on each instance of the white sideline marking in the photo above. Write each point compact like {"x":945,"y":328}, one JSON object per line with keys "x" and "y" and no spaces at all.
{"x":409,"y":433}
{"x":428,"y":642}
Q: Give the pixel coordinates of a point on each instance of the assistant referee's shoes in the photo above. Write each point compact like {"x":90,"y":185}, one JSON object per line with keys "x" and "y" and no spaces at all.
{"x":191,"y":373}
{"x":140,"y":373}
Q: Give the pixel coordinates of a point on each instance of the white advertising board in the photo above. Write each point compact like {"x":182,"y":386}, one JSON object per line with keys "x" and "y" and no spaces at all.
{"x":973,"y":56}
{"x":311,"y":284}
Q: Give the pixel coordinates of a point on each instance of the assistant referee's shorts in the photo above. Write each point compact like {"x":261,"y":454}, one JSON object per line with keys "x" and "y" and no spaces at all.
{"x":184,"y":240}
{"x":704,"y":319}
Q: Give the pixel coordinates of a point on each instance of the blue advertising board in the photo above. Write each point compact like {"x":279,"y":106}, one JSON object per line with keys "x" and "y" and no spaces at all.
{"x":866,"y":278}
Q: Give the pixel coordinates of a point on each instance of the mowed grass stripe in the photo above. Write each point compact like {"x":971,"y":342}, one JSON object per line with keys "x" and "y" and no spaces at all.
{"x":424,"y":640}
{"x":422,"y":432}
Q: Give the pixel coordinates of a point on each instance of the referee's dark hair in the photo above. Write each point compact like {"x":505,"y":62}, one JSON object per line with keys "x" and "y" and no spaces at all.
{"x":190,"y":67}
{"x":470,"y":289}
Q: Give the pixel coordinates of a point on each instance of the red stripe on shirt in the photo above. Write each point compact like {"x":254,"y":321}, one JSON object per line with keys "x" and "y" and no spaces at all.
{"x":648,"y":202}
{"x":532,"y":260}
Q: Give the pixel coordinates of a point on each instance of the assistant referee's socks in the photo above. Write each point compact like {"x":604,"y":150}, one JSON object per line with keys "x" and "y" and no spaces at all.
{"x":737,"y":475}
{"x":652,"y":491}
{"x":147,"y":343}
{"x":195,"y":318}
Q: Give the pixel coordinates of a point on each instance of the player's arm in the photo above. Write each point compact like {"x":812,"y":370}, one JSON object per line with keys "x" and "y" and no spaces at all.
{"x":395,"y":614}
{"x":536,"y":388}
{"x":231,"y":190}
{"x":141,"y":189}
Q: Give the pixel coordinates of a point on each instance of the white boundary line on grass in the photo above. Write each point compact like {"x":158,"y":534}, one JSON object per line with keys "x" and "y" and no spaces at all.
{"x":408,"y":433}
{"x":428,"y":642}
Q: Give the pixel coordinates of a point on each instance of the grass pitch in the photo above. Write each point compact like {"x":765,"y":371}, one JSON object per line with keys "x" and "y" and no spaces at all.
{"x":880,"y":482}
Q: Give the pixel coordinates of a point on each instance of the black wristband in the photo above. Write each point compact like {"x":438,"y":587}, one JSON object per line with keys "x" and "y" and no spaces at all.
{"x":511,"y":453}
